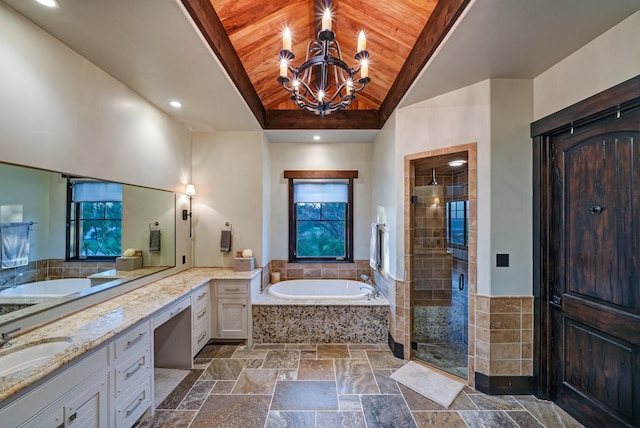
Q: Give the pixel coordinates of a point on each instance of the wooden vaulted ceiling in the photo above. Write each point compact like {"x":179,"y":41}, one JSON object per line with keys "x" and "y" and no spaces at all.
{"x":246,"y":36}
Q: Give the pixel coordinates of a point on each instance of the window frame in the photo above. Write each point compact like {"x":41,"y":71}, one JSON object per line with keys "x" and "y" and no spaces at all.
{"x":321,"y":175}
{"x":465,"y":223}
{"x":76,"y":236}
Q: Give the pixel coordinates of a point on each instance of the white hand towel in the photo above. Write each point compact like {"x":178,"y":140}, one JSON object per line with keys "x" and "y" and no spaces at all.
{"x":15,"y":244}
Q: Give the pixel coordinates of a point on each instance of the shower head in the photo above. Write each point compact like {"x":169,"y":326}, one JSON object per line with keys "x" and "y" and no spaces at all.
{"x":434,"y":182}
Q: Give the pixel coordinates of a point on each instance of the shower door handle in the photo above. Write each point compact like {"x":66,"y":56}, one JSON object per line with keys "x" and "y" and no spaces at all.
{"x":461,"y":282}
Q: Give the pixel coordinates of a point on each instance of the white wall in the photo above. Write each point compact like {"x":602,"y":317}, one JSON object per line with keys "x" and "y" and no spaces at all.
{"x":383,"y":207}
{"x":228,"y":177}
{"x":496,"y":115}
{"x":62,"y":113}
{"x":606,"y":61}
{"x":459,"y":117}
{"x":316,"y":156}
{"x":511,"y":221}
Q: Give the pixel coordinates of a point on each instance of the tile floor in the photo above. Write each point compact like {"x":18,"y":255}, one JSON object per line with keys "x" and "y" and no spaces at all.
{"x":327,"y":385}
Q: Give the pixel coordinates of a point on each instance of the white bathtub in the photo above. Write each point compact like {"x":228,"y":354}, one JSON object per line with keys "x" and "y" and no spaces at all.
{"x":49,"y":288}
{"x":319,"y":289}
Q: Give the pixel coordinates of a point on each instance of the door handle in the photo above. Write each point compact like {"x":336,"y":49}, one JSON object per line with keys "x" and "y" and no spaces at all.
{"x":556,"y":301}
{"x":461,"y":282}
{"x":595,"y":209}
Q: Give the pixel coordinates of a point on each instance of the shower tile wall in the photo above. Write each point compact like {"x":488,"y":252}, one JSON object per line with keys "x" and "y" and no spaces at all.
{"x":432,"y":270}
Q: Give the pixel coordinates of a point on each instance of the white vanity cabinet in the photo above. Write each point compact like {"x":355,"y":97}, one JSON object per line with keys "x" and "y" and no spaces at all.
{"x":201,"y":318}
{"x":232,"y":300}
{"x":78,"y":396}
{"x":131,"y":362}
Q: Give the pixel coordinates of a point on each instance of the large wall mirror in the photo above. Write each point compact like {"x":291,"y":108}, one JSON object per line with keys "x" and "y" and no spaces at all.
{"x":37,"y":272}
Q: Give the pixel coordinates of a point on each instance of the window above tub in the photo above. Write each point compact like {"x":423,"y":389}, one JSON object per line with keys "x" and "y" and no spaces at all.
{"x":321,"y":216}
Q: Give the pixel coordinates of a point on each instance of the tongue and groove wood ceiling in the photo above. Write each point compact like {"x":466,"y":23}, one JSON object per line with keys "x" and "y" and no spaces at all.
{"x":246,"y":36}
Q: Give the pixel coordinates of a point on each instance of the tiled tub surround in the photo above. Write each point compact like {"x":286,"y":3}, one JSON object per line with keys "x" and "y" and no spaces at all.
{"x":320,"y":321}
{"x":52,"y":269}
{"x":319,"y":270}
{"x":100,"y":323}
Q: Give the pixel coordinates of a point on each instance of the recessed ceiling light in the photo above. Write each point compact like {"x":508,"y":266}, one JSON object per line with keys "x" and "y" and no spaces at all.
{"x":48,"y":3}
{"x":316,"y":137}
{"x":457,"y":163}
{"x":176,"y":104}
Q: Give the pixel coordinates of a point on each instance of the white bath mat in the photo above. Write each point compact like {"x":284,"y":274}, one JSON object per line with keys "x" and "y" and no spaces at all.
{"x":427,"y":382}
{"x":165,"y":381}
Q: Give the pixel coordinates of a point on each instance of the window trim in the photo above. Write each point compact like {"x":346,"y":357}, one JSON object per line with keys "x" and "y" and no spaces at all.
{"x":320,"y":174}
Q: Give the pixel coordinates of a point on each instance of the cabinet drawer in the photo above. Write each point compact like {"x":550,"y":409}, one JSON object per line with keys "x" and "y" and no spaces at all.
{"x":172,"y":311}
{"x":131,"y":405}
{"x":200,"y":338}
{"x":133,"y":370}
{"x":200,"y":316}
{"x":140,"y":333}
{"x":200,"y":296}
{"x":231,"y":287}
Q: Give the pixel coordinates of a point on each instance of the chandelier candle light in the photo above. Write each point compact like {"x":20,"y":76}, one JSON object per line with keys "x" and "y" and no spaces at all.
{"x":324,"y":83}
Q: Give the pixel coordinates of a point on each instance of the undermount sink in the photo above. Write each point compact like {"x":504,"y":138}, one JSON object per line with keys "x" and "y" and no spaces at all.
{"x":21,"y":357}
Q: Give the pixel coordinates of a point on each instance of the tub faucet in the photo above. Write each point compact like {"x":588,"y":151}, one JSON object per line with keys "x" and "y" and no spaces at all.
{"x":4,"y":341}
{"x":376,"y":292}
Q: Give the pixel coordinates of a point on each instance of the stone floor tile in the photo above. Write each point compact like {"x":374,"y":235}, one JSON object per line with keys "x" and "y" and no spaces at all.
{"x":300,"y":346}
{"x":215,"y":350}
{"x":364,"y":346}
{"x":287,"y":374}
{"x":316,"y":370}
{"x":386,"y":411}
{"x":417,"y":401}
{"x":349,"y":402}
{"x":281,"y":419}
{"x":357,"y":353}
{"x":487,"y":418}
{"x":384,"y":360}
{"x":524,"y":419}
{"x":308,"y":354}
{"x":223,"y":387}
{"x":385,"y":383}
{"x":305,"y":395}
{"x":223,"y":369}
{"x":168,"y":419}
{"x":547,"y":412}
{"x":355,"y":377}
{"x":438,"y":419}
{"x":174,"y":398}
{"x":269,"y":346}
{"x":261,"y":382}
{"x":196,"y":396}
{"x":495,"y":402}
{"x":332,"y":350}
{"x":281,"y":359}
{"x":253,"y":363}
{"x":340,"y":419}
{"x":250,"y":353}
{"x":233,"y":411}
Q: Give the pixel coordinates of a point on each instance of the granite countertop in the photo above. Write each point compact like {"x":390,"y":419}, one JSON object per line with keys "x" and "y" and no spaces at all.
{"x":98,"y":324}
{"x":127,"y":275}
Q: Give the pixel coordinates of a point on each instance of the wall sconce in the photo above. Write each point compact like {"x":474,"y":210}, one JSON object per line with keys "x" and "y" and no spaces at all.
{"x":436,"y":201}
{"x":189,"y":191}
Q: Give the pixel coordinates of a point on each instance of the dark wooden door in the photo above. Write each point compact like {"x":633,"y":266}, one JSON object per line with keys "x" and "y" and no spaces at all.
{"x":594,"y":272}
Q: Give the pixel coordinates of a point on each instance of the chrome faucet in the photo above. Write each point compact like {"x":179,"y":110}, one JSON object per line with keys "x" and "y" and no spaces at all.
{"x":4,"y":341}
{"x":375,"y":293}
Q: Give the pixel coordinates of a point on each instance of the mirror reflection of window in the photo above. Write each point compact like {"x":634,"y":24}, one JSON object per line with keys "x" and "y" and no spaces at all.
{"x":94,"y":219}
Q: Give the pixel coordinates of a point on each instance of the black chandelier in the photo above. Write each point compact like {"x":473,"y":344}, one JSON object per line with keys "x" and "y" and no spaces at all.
{"x":324,"y":83}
